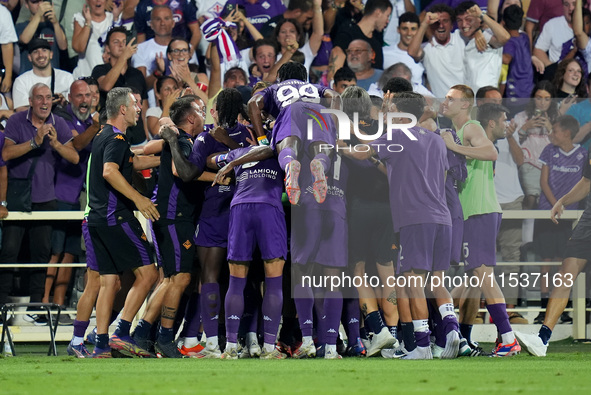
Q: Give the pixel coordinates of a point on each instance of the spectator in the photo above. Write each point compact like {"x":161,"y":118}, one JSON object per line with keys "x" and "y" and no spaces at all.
{"x":300,"y":10}
{"x":94,"y":94}
{"x":569,"y":83}
{"x":538,"y":13}
{"x":185,"y":16}
{"x":33,"y":138}
{"x":581,"y":31}
{"x":408,"y":26}
{"x":344,"y":78}
{"x":43,"y":24}
{"x":531,"y":125}
{"x":516,"y":55}
{"x":342,"y":13}
{"x":443,"y":55}
{"x":150,"y":57}
{"x":264,"y":53}
{"x":69,"y":182}
{"x":7,"y":38}
{"x":481,"y":67}
{"x":117,"y":73}
{"x":40,"y":56}
{"x":90,"y":30}
{"x":258,"y":12}
{"x":177,"y":55}
{"x":290,"y":31}
{"x":563,"y":164}
{"x":375,"y":19}
{"x":556,"y":32}
{"x":582,"y":113}
{"x":167,"y":91}
{"x":359,"y":56}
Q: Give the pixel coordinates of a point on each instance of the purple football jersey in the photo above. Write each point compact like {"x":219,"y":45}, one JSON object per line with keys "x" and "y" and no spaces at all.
{"x":217,"y":198}
{"x":416,"y":176}
{"x":283,"y":94}
{"x":257,"y":182}
{"x":565,"y":170}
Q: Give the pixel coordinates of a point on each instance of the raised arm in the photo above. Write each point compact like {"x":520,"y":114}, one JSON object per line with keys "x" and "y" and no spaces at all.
{"x":414,"y":49}
{"x":500,"y":35}
{"x":185,"y":169}
{"x":257,"y":153}
{"x":317,"y":28}
{"x":582,"y":37}
{"x":108,"y":81}
{"x":255,"y":106}
{"x":476,"y":144}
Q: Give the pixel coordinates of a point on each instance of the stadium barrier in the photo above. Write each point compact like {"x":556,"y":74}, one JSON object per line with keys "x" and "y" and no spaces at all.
{"x":577,"y":295}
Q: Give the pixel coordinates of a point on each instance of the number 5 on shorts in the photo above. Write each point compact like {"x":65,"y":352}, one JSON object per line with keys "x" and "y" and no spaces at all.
{"x":465,"y":250}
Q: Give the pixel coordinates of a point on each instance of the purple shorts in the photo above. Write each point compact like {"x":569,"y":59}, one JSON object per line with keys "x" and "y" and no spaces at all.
{"x":424,"y":247}
{"x":318,"y":236}
{"x":256,"y":224}
{"x":457,"y":236}
{"x":91,"y":261}
{"x":480,"y":240}
{"x":213,"y":231}
{"x":293,"y":121}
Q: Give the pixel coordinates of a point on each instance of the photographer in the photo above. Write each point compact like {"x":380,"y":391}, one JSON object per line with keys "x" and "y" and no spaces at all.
{"x":43,"y":24}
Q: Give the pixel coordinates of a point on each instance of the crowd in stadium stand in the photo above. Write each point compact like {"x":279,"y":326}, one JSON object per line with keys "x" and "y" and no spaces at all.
{"x":256,"y":143}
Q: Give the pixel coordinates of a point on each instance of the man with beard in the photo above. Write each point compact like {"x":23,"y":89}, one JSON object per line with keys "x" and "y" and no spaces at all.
{"x":69,"y":180}
{"x":359,"y":58}
{"x":40,"y":56}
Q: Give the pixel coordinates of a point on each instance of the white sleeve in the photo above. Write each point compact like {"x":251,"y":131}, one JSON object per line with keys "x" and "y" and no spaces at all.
{"x":545,"y":38}
{"x":20,"y":97}
{"x":7,"y":31}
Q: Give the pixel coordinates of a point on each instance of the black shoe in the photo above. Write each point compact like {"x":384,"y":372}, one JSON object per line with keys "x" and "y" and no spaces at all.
{"x":36,"y":319}
{"x":565,"y":318}
{"x":167,"y":350}
{"x":540,"y":318}
{"x":146,"y":344}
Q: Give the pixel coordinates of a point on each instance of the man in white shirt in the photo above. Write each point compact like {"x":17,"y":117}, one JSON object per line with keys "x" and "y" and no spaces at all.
{"x":40,"y":56}
{"x":556,"y":32}
{"x":481,"y":68}
{"x":408,"y":26}
{"x":443,"y":56}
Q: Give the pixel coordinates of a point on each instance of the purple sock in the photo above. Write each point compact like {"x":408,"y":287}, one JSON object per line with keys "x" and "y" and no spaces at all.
{"x":351,"y":316}
{"x":210,"y":308}
{"x":500,"y":318}
{"x":323,"y":158}
{"x":234,"y":306}
{"x":438,"y":327}
{"x":272,"y":305}
{"x":304,"y":302}
{"x":80,"y":328}
{"x":192,"y":317}
{"x":422,"y":338}
{"x":333,"y":306}
{"x":285,"y":156}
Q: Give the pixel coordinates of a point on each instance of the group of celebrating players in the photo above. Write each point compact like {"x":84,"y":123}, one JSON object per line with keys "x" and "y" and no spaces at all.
{"x":409,"y":211}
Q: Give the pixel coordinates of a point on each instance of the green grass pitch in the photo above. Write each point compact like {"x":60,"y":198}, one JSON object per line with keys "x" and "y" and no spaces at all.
{"x":565,"y":370}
